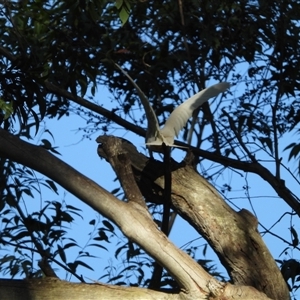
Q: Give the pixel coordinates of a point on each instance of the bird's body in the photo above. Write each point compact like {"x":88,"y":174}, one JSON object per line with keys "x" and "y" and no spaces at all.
{"x":156,"y":136}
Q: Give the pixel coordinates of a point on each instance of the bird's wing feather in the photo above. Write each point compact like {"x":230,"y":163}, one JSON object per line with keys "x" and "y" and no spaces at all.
{"x":183,"y":112}
{"x":153,"y":125}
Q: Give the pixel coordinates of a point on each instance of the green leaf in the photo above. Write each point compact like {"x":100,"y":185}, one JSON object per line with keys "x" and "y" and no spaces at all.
{"x":7,"y":108}
{"x":115,"y":191}
{"x":28,"y":192}
{"x":69,"y":245}
{"x":289,"y":269}
{"x":46,"y":144}
{"x":66,"y":217}
{"x":266,"y":141}
{"x":52,"y":185}
{"x":124,"y":15}
{"x":295,"y":237}
{"x":97,"y":245}
{"x":119,"y":4}
{"x":61,"y":253}
{"x":81,"y":263}
{"x":108,"y":225}
{"x":295,"y":150}
{"x":102,"y":237}
{"x":71,"y":207}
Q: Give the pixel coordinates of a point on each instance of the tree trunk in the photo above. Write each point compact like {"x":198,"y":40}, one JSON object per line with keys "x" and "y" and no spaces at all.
{"x":233,"y":235}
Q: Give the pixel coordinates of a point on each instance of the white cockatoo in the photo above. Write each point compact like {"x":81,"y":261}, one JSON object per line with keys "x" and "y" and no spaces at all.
{"x":155,"y":136}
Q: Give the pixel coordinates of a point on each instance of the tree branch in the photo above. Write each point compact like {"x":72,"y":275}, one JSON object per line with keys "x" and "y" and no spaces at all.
{"x":256,"y":168}
{"x":132,"y":218}
{"x":232,"y":235}
{"x":49,"y":289}
{"x":118,"y":158}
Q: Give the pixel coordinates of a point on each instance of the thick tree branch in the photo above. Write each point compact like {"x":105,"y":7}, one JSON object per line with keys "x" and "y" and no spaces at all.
{"x":132,"y":218}
{"x":50,"y":288}
{"x":121,"y":164}
{"x":232,"y":235}
{"x":54,"y":289}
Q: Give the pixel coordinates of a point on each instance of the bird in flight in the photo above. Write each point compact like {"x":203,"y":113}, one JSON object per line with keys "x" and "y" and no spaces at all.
{"x":156,"y":136}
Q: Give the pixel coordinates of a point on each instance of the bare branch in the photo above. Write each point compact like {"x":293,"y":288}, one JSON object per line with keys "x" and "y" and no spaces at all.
{"x":119,"y":160}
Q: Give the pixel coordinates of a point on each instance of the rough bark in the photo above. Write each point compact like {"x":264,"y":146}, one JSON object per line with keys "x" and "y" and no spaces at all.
{"x":233,"y":235}
{"x":132,"y":218}
{"x":54,"y":289}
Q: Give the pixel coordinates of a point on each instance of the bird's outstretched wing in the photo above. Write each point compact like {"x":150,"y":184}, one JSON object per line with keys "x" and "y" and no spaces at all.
{"x":183,"y":112}
{"x":153,"y":126}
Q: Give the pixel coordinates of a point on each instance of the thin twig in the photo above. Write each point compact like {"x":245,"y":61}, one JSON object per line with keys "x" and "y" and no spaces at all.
{"x":275,"y":133}
{"x":238,"y":136}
